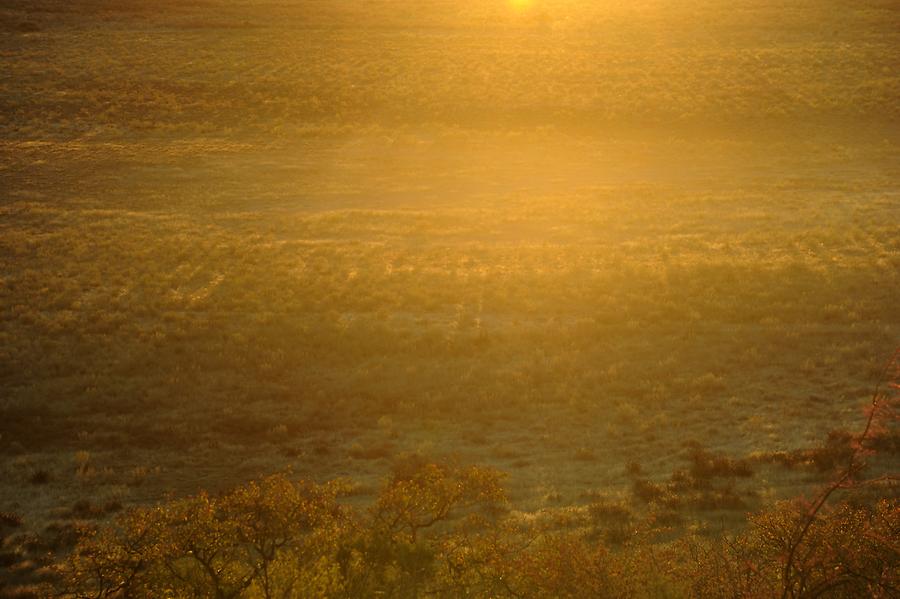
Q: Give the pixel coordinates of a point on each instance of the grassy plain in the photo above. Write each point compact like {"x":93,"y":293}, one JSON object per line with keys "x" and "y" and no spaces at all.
{"x":558,"y":239}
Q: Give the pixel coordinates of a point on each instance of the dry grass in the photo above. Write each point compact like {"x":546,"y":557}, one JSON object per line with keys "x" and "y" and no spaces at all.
{"x":299,"y":252}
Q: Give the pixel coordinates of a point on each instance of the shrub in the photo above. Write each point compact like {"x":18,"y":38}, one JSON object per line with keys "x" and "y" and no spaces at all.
{"x":40,"y":477}
{"x":11,"y":520}
{"x":206,"y":546}
{"x":422,"y":494}
{"x":276,"y":537}
{"x":848,"y":552}
{"x":705,"y":465}
{"x":614,"y":521}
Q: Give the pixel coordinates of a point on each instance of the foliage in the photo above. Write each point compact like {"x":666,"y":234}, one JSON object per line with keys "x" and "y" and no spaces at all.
{"x":440,"y":529}
{"x":277,"y":538}
{"x":811,"y":548}
{"x":849,"y":551}
{"x":238,"y":544}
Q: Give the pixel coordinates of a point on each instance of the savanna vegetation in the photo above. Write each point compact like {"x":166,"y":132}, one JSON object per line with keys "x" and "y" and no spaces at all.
{"x":525,"y":298}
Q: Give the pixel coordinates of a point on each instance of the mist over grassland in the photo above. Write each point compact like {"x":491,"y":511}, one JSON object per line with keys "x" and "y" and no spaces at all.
{"x":576,"y":241}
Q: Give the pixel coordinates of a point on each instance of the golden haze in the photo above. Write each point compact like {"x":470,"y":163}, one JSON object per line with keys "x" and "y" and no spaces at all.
{"x":538,"y":297}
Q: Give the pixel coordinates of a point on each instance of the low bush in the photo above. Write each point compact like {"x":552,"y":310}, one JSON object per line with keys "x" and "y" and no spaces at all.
{"x":438,"y":529}
{"x":847,"y":552}
{"x":40,"y":477}
{"x":10,"y":520}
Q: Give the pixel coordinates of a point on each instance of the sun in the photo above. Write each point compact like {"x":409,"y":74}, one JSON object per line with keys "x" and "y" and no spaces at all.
{"x":520,"y":4}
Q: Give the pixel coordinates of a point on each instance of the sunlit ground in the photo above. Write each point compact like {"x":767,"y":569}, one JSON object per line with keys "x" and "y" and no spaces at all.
{"x":558,"y":238}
